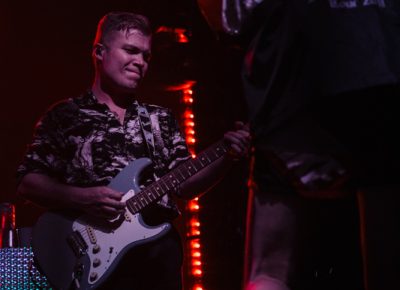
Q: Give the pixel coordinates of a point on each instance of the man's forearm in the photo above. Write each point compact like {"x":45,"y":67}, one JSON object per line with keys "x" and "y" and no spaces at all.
{"x":47,"y":192}
{"x":100,"y":201}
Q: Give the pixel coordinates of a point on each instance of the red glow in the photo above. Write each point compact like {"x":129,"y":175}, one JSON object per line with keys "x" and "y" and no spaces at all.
{"x":189,"y":131}
{"x":189,"y":123}
{"x":179,"y":33}
{"x":194,"y":233}
{"x":194,"y":222}
{"x":190,"y":140}
{"x":186,"y":85}
{"x":193,"y":206}
{"x":197,"y":272}
{"x":182,"y":38}
{"x":196,"y":263}
{"x":188,"y":114}
{"x":187,"y":100}
{"x":188,"y":92}
{"x":196,"y":254}
{"x":195,"y":244}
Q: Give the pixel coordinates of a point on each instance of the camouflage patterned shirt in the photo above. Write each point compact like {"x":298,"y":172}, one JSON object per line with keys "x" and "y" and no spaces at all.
{"x":80,"y":142}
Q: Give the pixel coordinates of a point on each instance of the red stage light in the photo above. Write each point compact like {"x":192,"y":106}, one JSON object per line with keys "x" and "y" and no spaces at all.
{"x":196,"y":263}
{"x":193,"y":206}
{"x":197,"y":272}
{"x":187,"y":100}
{"x":195,"y":244}
{"x":189,"y":123}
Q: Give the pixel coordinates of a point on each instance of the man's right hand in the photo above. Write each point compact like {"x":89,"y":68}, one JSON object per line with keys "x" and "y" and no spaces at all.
{"x":101,"y":201}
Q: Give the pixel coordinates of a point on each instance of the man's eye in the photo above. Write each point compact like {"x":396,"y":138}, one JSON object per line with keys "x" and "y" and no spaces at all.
{"x":132,"y":50}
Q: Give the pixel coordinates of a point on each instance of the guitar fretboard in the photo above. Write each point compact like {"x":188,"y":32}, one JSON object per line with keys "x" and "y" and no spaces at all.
{"x":175,"y":177}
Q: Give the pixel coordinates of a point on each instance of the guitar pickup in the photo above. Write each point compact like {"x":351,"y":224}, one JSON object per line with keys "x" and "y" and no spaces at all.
{"x":77,"y":244}
{"x":91,"y":235}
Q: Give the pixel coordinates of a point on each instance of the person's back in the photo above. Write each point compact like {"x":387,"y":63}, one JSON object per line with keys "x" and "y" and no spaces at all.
{"x":321,"y":79}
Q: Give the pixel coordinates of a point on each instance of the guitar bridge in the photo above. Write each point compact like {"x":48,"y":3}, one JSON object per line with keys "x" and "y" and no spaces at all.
{"x":77,"y":244}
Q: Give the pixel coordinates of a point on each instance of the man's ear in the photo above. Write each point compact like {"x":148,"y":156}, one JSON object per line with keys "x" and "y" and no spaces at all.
{"x":98,"y":49}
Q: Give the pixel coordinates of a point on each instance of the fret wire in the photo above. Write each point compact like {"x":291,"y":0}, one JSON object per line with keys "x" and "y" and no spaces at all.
{"x":145,"y":194}
{"x":133,"y":204}
{"x":173,"y":179}
{"x":165,"y":184}
{"x":198,"y":165}
{"x":130,"y":207}
{"x":158,"y":188}
{"x":192,"y":163}
{"x":198,"y":159}
{"x":167,"y":178}
{"x":178,"y":169}
{"x":162,"y":186}
{"x":210,"y":159}
{"x":142,"y":198}
{"x":190,"y":168}
{"x":153,"y":192}
{"x":139,"y":201}
{"x":178,"y":175}
{"x":204,"y":160}
{"x":148,"y":195}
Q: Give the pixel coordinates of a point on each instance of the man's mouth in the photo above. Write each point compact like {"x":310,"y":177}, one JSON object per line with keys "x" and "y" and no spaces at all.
{"x":133,"y":72}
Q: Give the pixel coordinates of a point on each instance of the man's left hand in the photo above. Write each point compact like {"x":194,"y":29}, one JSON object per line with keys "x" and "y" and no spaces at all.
{"x":239,"y":141}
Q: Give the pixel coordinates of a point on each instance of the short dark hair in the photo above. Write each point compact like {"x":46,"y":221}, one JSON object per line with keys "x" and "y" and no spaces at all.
{"x":121,"y":21}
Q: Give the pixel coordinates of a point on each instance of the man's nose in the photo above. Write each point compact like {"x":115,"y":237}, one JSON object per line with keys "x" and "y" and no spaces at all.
{"x":139,"y":60}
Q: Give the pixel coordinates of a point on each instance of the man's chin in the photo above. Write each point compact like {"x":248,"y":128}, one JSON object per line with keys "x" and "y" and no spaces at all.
{"x":129,"y":87}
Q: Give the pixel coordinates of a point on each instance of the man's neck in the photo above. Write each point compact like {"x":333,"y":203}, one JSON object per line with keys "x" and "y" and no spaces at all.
{"x":116,"y":102}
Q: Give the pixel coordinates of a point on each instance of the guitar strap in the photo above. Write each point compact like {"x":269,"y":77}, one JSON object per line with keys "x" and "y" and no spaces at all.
{"x":151,"y":131}
{"x":147,"y":130}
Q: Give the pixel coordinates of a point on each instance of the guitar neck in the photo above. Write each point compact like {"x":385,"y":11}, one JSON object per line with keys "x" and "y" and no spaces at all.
{"x":175,"y":177}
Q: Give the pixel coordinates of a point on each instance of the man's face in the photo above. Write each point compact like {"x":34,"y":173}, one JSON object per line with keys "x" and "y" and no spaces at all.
{"x":124,"y":59}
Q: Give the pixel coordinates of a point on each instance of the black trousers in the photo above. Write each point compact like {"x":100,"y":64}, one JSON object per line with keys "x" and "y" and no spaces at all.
{"x":156,"y":265}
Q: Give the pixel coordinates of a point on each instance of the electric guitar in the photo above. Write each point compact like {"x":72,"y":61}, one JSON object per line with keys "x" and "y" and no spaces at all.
{"x":80,"y":252}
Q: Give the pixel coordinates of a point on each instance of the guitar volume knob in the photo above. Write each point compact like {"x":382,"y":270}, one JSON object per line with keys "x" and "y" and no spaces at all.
{"x":96,"y":249}
{"x":96,"y":262}
{"x":93,"y":276}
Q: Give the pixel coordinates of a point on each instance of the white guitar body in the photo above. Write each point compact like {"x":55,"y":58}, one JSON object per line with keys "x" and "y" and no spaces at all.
{"x":106,"y":246}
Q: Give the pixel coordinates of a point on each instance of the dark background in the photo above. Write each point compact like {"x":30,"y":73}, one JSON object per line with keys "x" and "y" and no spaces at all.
{"x":46,"y":56}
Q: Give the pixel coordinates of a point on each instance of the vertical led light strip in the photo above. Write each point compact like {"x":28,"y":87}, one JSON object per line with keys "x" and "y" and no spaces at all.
{"x":193,"y":233}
